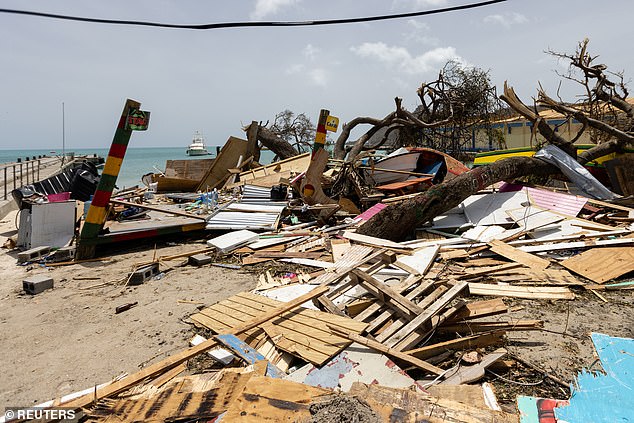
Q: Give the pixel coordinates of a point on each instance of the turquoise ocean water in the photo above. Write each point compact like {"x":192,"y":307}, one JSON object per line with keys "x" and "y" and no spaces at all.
{"x":136,"y":163}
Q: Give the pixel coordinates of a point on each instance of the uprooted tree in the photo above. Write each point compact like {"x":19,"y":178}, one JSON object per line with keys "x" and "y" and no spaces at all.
{"x":459,"y":100}
{"x":603,"y":98}
{"x":287,"y":136}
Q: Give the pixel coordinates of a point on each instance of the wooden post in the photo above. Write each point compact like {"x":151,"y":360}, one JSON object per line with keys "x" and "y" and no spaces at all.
{"x":96,"y":216}
{"x":252,"y":146}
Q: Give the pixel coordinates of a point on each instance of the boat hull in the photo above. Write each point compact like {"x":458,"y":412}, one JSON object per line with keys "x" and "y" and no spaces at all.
{"x":197,"y":152}
{"x":488,"y":157}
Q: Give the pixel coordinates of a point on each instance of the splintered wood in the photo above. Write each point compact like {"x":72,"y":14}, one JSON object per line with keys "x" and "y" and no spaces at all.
{"x":416,"y":303}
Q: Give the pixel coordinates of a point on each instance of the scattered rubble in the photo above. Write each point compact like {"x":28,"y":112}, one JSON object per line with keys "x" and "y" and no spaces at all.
{"x":344,"y":326}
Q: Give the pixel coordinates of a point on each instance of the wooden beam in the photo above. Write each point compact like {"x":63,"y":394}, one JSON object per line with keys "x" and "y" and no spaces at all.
{"x":528,"y":292}
{"x":158,"y":209}
{"x":386,"y":294}
{"x":468,"y":342}
{"x":472,"y":327}
{"x":485,"y":272}
{"x":390,"y":351}
{"x":421,"y":319}
{"x":402,"y":287}
{"x":518,"y":256}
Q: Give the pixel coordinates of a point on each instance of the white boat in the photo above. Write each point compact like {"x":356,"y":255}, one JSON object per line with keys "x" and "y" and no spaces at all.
{"x":197,"y":146}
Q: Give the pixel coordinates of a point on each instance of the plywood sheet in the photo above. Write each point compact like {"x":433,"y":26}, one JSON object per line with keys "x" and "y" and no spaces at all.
{"x":228,"y":158}
{"x":602,"y":264}
{"x":419,"y":262}
{"x":273,"y":400}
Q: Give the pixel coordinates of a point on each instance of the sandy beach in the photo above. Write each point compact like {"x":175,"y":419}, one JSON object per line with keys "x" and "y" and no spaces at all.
{"x":69,"y":338}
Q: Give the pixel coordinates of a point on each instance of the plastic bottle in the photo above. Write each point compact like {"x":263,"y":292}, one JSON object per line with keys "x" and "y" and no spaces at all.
{"x":214,"y":199}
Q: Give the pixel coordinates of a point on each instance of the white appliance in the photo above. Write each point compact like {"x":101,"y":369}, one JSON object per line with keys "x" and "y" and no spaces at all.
{"x":47,"y":224}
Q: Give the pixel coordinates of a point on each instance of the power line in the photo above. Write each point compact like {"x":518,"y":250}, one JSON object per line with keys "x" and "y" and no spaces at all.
{"x":252,"y":24}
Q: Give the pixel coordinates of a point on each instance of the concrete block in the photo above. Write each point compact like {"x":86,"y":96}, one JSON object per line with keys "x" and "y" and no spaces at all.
{"x":199,"y":259}
{"x":143,"y":274}
{"x":35,"y":284}
{"x":62,"y":254}
{"x":33,"y":254}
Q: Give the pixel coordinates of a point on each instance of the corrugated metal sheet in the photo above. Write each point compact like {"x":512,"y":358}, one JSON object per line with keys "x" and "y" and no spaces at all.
{"x":246,"y":216}
{"x":558,"y":202}
{"x":252,"y":194}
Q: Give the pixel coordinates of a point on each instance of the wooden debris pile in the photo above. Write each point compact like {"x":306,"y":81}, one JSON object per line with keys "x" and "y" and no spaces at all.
{"x":386,"y":328}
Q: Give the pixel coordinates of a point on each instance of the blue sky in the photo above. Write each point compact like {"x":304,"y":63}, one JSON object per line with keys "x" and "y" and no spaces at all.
{"x":215,"y":81}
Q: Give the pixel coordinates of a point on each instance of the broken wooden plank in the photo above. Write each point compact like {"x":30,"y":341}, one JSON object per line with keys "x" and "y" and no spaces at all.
{"x":285,"y":254}
{"x":391,"y":352}
{"x":158,"y":209}
{"x":528,"y":292}
{"x":400,"y":288}
{"x":373,"y":241}
{"x":339,"y":247}
{"x":407,"y":405}
{"x":423,"y":318}
{"x":388,"y":314}
{"x":386,"y":294}
{"x":265,"y":399}
{"x":619,"y":242}
{"x":487,"y":271}
{"x":518,"y":256}
{"x":248,"y":354}
{"x":467,"y":374}
{"x":468,"y":342}
{"x":474,"y":327}
{"x":538,"y":277}
{"x":182,"y":356}
{"x":478,"y":309}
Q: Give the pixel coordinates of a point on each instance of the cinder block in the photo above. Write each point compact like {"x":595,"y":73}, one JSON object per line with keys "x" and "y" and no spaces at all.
{"x":62,"y":254}
{"x":36,"y":284}
{"x":199,"y":259}
{"x":33,"y":254}
{"x":143,"y":274}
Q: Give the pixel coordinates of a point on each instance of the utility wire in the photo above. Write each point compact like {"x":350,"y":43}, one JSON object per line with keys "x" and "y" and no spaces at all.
{"x":252,"y":24}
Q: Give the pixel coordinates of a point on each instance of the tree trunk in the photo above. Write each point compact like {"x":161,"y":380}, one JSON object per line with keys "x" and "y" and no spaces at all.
{"x":281,"y":148}
{"x":398,"y":221}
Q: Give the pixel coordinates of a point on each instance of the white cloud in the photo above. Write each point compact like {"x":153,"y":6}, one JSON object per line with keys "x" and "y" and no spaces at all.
{"x":419,"y":33}
{"x":401,"y":59}
{"x":311,"y":52}
{"x":315,"y":76}
{"x":506,"y":19}
{"x":319,"y":77}
{"x":296,"y":68}
{"x":270,"y":7}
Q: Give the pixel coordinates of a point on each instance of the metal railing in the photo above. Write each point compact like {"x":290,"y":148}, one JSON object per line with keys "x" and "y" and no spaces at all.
{"x":20,"y":174}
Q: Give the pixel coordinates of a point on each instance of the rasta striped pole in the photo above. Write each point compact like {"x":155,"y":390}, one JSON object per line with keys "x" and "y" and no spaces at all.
{"x":320,"y":135}
{"x":96,"y":217}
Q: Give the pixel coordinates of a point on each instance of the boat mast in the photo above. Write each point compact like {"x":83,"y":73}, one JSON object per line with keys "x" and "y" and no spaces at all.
{"x":63,"y":135}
